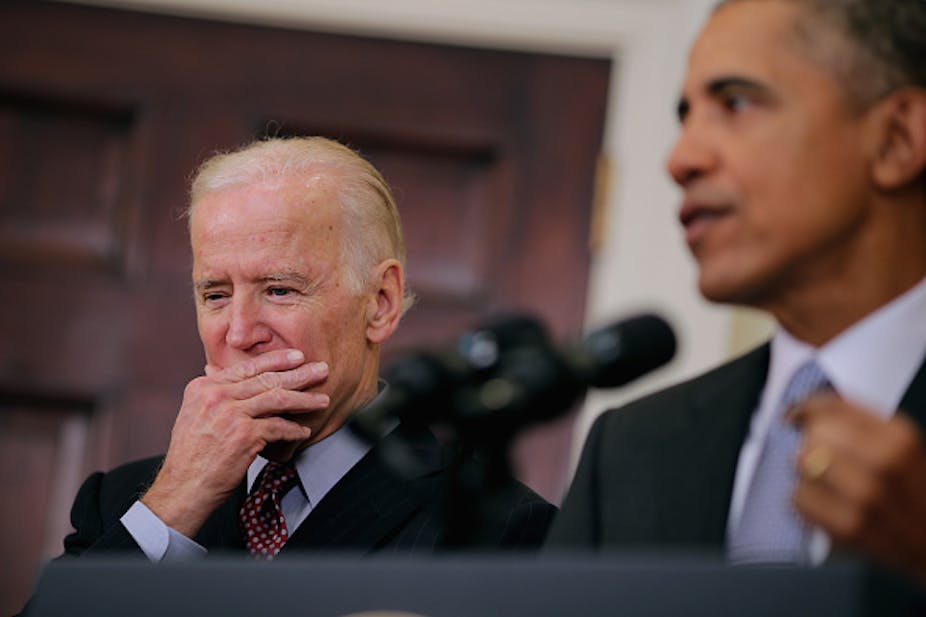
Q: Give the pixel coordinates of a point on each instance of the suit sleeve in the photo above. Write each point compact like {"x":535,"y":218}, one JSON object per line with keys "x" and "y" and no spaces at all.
{"x":577,"y":527}
{"x":96,"y":522}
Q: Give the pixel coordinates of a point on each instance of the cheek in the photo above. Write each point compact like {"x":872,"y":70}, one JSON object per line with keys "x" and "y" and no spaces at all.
{"x":211,"y":333}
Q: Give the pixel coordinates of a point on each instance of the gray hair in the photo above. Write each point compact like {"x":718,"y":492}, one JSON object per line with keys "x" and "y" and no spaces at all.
{"x":888,"y":39}
{"x":373,"y":229}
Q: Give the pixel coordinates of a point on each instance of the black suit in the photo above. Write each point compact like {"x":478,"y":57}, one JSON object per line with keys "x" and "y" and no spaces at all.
{"x":659,"y":472}
{"x":370,"y":509}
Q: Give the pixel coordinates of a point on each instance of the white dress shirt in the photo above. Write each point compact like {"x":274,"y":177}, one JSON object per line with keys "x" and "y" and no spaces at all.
{"x":871,"y":364}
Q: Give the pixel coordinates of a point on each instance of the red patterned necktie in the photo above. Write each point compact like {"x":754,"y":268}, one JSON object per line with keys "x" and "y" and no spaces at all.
{"x":261,"y":518}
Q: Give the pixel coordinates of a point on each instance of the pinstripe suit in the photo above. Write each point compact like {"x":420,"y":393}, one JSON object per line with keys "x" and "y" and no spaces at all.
{"x":369,"y":510}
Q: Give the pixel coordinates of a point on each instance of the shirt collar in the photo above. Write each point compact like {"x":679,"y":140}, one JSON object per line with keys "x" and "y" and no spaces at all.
{"x":322,"y":465}
{"x":871,"y":363}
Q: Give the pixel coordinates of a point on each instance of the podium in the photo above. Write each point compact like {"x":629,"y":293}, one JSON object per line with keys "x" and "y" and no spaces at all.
{"x":454,"y":586}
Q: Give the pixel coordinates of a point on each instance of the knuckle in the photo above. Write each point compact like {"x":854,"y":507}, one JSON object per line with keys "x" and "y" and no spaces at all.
{"x":194,"y":387}
{"x":268,"y":381}
{"x":870,"y":494}
{"x":246,"y":369}
{"x":907,"y":442}
{"x":280,"y":398}
{"x":240,"y":436}
{"x":210,"y":397}
{"x":853,"y":526}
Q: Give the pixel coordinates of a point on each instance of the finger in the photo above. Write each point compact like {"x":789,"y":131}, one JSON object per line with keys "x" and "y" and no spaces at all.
{"x":853,"y":505}
{"x":277,"y":401}
{"x":816,"y":406}
{"x":277,"y":360}
{"x":847,"y":526}
{"x":889,"y":449}
{"x":294,"y":379}
{"x":275,"y":428}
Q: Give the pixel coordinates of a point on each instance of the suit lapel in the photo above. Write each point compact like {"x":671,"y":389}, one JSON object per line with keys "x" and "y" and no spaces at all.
{"x":369,"y":504}
{"x":699,"y":474}
{"x":914,"y":400}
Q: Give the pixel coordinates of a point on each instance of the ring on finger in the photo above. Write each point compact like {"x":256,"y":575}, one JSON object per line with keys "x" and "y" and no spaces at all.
{"x":816,"y":463}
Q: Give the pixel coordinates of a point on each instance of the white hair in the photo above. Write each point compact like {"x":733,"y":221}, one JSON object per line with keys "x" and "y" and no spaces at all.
{"x":373,"y":229}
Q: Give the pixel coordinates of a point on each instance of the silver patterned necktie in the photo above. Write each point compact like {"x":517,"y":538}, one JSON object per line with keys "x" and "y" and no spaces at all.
{"x":770,"y":530}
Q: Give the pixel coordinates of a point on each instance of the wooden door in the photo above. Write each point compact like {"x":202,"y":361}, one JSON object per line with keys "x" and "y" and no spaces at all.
{"x":103,"y":115}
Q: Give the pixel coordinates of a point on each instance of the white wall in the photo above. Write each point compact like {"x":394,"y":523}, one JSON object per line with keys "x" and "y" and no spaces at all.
{"x":639,"y":261}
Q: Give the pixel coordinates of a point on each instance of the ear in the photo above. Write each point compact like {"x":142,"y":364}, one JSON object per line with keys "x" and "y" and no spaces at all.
{"x":901,"y":130}
{"x":384,"y":309}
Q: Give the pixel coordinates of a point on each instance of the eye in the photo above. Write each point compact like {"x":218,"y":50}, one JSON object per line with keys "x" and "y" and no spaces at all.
{"x":214,"y":298}
{"x":280,"y":292}
{"x":736,"y":102}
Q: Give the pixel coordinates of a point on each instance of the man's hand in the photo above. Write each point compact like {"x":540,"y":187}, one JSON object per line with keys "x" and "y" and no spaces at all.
{"x":863,"y":480}
{"x":226,"y":419}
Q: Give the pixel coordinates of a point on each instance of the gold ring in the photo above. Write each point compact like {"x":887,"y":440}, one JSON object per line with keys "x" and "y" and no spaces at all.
{"x":815,"y":464}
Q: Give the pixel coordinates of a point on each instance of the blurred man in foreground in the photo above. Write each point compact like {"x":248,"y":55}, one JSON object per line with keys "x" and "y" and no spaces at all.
{"x":802,"y":159}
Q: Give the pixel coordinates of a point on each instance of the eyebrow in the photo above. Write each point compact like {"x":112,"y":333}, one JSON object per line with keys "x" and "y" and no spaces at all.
{"x":721,"y":85}
{"x":276,"y":277}
{"x":205,"y":285}
{"x":285,"y":277}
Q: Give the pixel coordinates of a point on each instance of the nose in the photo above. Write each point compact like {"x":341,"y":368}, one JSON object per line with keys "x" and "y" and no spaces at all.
{"x":246,"y":328}
{"x":691,"y":156}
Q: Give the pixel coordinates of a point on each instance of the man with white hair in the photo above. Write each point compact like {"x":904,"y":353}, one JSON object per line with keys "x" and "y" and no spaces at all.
{"x":299,"y":277}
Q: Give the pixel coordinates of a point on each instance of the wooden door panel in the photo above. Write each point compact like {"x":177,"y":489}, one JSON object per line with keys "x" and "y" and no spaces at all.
{"x":103,"y":116}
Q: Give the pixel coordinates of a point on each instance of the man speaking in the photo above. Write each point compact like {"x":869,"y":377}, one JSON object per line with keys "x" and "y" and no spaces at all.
{"x":802,"y":161}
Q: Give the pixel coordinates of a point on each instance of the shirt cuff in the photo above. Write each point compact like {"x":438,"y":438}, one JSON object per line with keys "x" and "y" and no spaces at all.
{"x":158,"y":541}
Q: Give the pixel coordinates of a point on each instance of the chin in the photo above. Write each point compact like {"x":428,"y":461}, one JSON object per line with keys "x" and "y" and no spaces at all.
{"x":729,"y":290}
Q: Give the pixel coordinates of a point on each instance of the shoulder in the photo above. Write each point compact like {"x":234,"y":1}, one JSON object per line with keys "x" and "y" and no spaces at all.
{"x":114,"y":491}
{"x":666,"y":409}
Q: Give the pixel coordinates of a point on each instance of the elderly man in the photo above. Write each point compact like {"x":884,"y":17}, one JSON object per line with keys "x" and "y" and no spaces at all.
{"x":802,"y":160}
{"x":298,"y":273}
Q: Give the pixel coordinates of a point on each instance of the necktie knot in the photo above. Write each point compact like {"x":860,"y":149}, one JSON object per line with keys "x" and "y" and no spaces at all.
{"x":808,"y":379}
{"x":261,"y":515}
{"x":278,"y":478}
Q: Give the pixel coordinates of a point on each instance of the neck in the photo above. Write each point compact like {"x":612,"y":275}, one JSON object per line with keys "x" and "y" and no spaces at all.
{"x":828,"y":298}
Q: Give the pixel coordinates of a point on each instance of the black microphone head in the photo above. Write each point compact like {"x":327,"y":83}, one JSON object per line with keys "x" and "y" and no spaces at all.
{"x":621,"y":352}
{"x":481,"y":347}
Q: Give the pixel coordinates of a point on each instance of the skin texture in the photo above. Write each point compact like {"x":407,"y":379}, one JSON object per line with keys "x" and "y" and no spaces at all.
{"x":812,"y":207}
{"x":782,"y":209}
{"x":291,"y":350}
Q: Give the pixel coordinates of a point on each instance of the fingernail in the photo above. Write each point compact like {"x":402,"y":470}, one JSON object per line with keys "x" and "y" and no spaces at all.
{"x":295,"y":356}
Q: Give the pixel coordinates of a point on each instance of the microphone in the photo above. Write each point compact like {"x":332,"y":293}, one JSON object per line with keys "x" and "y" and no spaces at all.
{"x":535,"y":383}
{"x":617,"y":354}
{"x":421,"y":384}
{"x":507,"y":374}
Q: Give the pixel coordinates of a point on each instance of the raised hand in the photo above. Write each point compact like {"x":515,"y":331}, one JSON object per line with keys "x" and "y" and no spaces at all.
{"x":863,"y":480}
{"x":228,"y":417}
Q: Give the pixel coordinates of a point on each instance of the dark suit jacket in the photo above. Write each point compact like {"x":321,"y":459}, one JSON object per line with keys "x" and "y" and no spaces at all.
{"x":370,"y":509}
{"x":659,"y":472}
